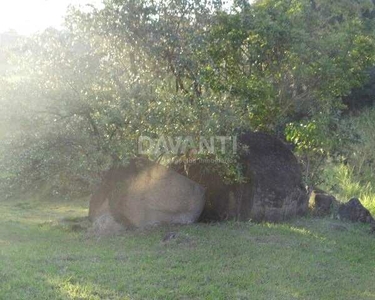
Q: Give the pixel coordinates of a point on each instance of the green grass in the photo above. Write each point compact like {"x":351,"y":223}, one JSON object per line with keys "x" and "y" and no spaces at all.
{"x":41,"y":257}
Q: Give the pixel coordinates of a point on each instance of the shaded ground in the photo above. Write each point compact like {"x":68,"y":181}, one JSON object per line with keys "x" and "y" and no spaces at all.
{"x":44,"y":255}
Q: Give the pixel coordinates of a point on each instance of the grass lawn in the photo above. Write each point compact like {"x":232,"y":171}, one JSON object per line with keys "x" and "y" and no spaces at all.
{"x":43,"y":257}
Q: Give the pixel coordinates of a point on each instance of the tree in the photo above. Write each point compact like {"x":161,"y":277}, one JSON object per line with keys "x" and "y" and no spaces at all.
{"x":84,"y":95}
{"x":288,"y":60}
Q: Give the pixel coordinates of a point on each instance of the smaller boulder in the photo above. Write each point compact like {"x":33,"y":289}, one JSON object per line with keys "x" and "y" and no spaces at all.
{"x":97,"y":209}
{"x":354,"y":211}
{"x":321,"y":203}
{"x":105,"y":225}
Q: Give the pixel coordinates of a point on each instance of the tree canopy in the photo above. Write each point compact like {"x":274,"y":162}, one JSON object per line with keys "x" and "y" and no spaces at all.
{"x":81,"y":97}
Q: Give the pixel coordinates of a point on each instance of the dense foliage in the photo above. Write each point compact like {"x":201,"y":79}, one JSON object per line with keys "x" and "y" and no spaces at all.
{"x":81,"y":97}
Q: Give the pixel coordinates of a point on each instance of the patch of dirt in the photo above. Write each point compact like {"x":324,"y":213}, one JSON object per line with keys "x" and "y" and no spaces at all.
{"x":338,"y":227}
{"x":174,"y":238}
{"x":69,"y":224}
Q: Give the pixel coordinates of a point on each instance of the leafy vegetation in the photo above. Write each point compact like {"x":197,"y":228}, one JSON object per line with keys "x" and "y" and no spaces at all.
{"x":81,"y":97}
{"x":351,"y":173}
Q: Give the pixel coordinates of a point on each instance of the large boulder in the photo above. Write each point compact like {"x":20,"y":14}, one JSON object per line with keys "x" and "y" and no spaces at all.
{"x":278,"y":191}
{"x":273,"y":190}
{"x":145,"y":193}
